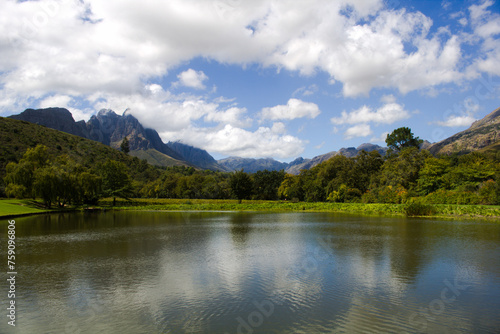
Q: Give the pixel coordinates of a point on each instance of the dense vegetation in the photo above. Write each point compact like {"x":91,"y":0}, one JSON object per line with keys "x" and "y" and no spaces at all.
{"x":406,"y":174}
{"x":18,"y":136}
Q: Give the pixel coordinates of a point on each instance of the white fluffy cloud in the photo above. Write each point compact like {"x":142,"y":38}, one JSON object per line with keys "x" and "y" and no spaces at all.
{"x":293,"y":109}
{"x":387,"y":114}
{"x":232,"y":141}
{"x":457,"y":121}
{"x":79,"y":47}
{"x":360,"y":130}
{"x":486,"y":26}
{"x":192,"y":79}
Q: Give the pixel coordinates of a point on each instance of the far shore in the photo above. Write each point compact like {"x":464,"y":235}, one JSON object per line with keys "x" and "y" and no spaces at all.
{"x":10,"y":208}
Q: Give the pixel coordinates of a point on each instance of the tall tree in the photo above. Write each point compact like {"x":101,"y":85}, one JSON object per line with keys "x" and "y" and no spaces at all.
{"x":402,"y":138}
{"x":241,"y":185}
{"x":125,"y":145}
{"x":115,"y":180}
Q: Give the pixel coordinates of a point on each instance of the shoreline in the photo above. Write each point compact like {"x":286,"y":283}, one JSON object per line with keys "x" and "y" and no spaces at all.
{"x":441,"y":211}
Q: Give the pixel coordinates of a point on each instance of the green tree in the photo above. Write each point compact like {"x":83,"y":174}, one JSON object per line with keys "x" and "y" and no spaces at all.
{"x":402,"y":138}
{"x":47,"y":184}
{"x":291,"y":188}
{"x":20,"y":176}
{"x":433,"y":175}
{"x":90,"y":187}
{"x":241,"y":185}
{"x":125,"y":146}
{"x":115,"y":180}
{"x":401,"y":170}
{"x":367,"y":165}
{"x":266,"y":184}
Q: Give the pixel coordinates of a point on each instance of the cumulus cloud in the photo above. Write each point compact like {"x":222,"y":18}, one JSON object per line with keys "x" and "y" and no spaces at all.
{"x":462,"y":115}
{"x":192,"y":79}
{"x":387,"y":114}
{"x":457,"y":121}
{"x":117,"y":44}
{"x":293,"y":109}
{"x":486,"y":26}
{"x":233,"y":116}
{"x":360,"y":130}
{"x":232,"y":141}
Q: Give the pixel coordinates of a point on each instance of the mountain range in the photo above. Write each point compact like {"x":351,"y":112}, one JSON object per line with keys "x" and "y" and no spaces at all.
{"x":110,"y":129}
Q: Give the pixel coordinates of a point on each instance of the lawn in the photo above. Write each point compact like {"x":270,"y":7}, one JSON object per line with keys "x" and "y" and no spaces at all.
{"x":14,"y":207}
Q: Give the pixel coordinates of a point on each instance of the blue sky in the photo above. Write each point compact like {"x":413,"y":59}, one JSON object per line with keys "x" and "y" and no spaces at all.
{"x":257,"y":78}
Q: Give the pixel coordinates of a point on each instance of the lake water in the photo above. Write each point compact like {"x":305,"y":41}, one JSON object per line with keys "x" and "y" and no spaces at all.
{"x":228,"y":272}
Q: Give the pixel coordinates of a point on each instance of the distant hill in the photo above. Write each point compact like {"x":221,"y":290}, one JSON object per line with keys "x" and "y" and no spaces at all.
{"x":195,"y":156}
{"x":17,"y":136}
{"x":481,"y":134}
{"x":109,"y":128}
{"x":349,"y":152}
{"x":253,"y":165}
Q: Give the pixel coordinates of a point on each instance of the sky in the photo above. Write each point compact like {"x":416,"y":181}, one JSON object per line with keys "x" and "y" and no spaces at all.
{"x":257,"y":78}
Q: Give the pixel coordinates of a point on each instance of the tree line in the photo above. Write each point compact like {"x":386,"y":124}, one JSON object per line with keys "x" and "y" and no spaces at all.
{"x":406,"y":173}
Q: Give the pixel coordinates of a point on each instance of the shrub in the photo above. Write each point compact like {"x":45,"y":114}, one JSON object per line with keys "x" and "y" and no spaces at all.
{"x":488,"y":192}
{"x":419,"y":209}
{"x":442,"y":196}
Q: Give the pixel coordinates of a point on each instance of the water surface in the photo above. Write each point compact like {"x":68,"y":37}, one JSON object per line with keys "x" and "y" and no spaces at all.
{"x":216,"y":272}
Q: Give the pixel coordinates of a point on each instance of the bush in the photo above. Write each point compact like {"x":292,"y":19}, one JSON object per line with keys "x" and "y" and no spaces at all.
{"x":452,"y":197}
{"x":419,"y":209}
{"x":488,"y":192}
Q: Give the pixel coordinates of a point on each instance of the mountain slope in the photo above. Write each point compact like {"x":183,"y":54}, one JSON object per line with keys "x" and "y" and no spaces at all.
{"x":17,"y":136}
{"x":156,"y":158}
{"x":482,"y":133}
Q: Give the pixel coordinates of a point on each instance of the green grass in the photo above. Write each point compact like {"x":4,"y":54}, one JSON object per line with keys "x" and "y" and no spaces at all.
{"x":11,"y":207}
{"x":445,"y":211}
{"x":15,"y":207}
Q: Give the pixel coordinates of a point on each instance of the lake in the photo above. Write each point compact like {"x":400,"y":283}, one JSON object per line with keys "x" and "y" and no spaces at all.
{"x":230,"y":272}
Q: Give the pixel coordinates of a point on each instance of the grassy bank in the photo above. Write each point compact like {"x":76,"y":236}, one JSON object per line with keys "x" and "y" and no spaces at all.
{"x":16,"y":207}
{"x":13,"y":207}
{"x":445,"y":210}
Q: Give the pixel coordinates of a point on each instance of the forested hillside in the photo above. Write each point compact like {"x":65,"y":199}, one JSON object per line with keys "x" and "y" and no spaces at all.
{"x":17,"y":136}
